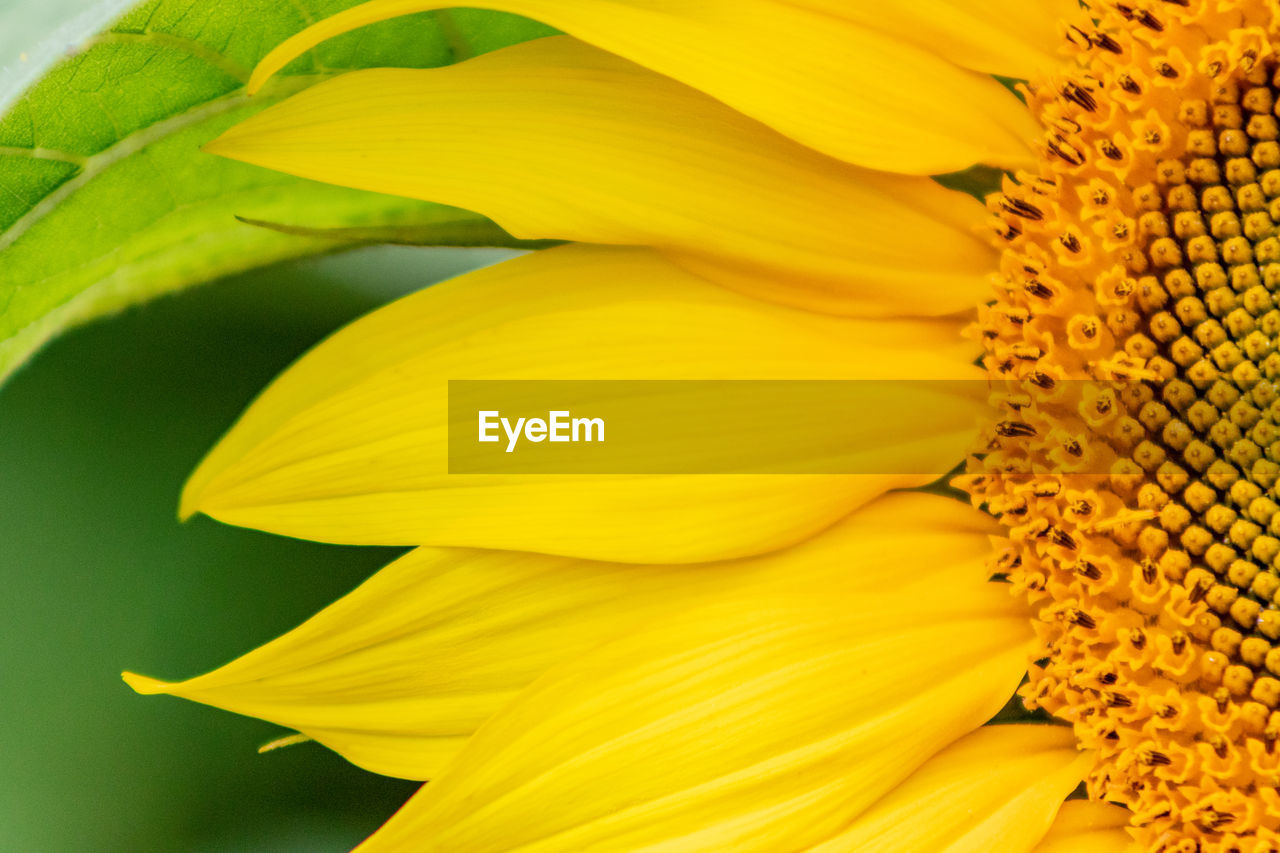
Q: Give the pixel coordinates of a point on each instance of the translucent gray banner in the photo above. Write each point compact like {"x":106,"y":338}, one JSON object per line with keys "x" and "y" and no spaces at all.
{"x":771,"y":426}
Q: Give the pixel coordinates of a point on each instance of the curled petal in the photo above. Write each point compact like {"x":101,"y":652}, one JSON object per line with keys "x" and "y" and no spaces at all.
{"x":554,"y":139}
{"x":855,"y":93}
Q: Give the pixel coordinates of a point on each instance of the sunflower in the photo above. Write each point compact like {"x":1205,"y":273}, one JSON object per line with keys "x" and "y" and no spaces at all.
{"x":804,"y":662}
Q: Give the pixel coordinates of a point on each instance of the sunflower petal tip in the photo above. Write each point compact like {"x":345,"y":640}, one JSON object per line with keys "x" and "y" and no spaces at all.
{"x":194,"y":499}
{"x":145,"y":686}
{"x":219,"y":146}
{"x":257,"y":80}
{"x":187,"y":509}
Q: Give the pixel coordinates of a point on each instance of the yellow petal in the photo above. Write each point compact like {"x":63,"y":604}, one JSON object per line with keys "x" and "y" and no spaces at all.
{"x":1089,"y":826}
{"x":556,"y":139}
{"x":996,"y":789}
{"x":846,"y":90}
{"x":1014,"y":38}
{"x":396,"y":675}
{"x":350,"y":444}
{"x":759,"y":724}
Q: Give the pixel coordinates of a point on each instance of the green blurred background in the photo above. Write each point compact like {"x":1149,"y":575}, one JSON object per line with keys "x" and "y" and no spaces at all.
{"x":96,"y":437}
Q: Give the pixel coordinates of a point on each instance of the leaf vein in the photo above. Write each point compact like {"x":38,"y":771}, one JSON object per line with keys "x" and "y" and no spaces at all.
{"x":232,"y":69}
{"x":38,"y":153}
{"x":135,"y":142}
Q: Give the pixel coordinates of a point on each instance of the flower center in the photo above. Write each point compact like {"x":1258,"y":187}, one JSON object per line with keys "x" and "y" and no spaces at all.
{"x":1144,"y":258}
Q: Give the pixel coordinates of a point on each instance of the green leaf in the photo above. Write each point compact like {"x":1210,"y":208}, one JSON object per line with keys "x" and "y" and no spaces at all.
{"x":106,"y":198}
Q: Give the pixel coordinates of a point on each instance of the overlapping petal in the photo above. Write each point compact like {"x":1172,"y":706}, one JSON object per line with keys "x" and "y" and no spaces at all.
{"x":759,"y":723}
{"x":350,"y":445}
{"x":396,"y":675}
{"x":996,"y":789}
{"x":818,"y":696}
{"x":1092,"y":826}
{"x":850,"y":91}
{"x":1013,"y":38}
{"x":556,"y":139}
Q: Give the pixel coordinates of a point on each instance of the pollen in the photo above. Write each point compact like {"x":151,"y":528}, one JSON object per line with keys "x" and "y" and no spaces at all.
{"x":1136,"y":469}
